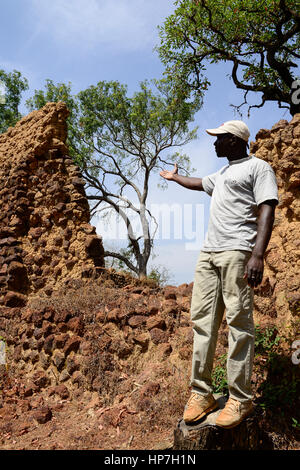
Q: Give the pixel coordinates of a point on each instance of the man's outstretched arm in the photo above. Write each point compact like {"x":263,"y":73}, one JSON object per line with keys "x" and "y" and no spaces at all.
{"x":255,"y":267}
{"x":185,"y":181}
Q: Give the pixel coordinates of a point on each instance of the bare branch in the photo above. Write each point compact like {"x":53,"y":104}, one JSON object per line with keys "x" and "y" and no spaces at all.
{"x":119,"y":172}
{"x":122,"y":258}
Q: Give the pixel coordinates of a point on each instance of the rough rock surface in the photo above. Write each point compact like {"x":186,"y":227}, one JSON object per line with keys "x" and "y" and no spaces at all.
{"x":80,"y":374}
{"x":279,"y":294}
{"x":45,"y":235}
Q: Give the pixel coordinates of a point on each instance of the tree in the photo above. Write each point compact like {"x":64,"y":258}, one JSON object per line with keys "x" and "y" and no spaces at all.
{"x":260,"y":38}
{"x":120,"y":142}
{"x":13,"y":85}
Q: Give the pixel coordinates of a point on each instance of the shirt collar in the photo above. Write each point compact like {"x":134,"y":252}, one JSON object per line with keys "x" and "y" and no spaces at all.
{"x":240,"y":160}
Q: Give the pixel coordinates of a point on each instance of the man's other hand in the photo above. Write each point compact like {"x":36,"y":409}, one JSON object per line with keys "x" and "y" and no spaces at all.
{"x":254,"y":271}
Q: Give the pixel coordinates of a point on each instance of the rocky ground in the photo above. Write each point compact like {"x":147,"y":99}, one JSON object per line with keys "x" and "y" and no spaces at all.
{"x":123,"y":382}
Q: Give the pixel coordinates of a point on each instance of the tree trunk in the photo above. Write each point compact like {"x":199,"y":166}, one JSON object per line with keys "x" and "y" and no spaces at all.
{"x":295,"y":107}
{"x":248,"y":435}
{"x":142,"y":268}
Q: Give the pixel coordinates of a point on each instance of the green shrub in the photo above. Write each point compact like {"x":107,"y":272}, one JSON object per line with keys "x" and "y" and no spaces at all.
{"x":266,"y":339}
{"x":219,"y":376}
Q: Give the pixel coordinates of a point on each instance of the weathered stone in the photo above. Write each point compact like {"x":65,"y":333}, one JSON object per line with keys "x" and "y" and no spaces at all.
{"x":112,"y":315}
{"x":281,"y":260}
{"x":62,"y":391}
{"x":156,"y":322}
{"x":158,"y":336}
{"x":64,"y":375}
{"x":37,"y":318}
{"x":14,"y":299}
{"x":72,"y":344}
{"x":41,"y":193}
{"x":60,"y":340}
{"x":150,"y":389}
{"x":95,"y":249}
{"x":137,"y":321}
{"x":42,"y":415}
{"x":58,"y":359}
{"x":44,"y":360}
{"x":142,"y":339}
{"x":47,"y":328}
{"x":121,"y":348}
{"x":29,"y":389}
{"x":34,"y":356}
{"x":164,"y":349}
{"x":62,"y":316}
{"x":72,"y":365}
{"x":76,"y":325}
{"x":48,"y":344}
{"x":77,"y":378}
{"x":85,"y":347}
{"x":169,"y":293}
{"x":17,"y":353}
{"x":40,"y":380}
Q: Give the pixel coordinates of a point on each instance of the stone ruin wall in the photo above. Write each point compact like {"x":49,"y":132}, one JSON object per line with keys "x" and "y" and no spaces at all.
{"x":279,"y":295}
{"x":45,"y":235}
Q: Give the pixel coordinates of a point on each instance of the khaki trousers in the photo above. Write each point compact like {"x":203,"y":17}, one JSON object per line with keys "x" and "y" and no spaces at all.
{"x":219,"y":285}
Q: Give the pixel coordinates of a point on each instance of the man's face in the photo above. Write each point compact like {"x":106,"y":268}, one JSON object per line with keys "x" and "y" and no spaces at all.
{"x":222,"y":145}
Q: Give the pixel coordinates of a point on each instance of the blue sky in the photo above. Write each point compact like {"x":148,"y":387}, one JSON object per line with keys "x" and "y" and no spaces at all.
{"x":85,"y":41}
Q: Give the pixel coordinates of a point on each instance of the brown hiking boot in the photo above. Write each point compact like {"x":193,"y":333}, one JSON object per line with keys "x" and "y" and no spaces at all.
{"x":198,"y":406}
{"x":233,"y":413}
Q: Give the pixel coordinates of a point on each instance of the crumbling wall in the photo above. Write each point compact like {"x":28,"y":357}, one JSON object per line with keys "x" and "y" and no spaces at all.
{"x":45,"y":235}
{"x":279,"y":294}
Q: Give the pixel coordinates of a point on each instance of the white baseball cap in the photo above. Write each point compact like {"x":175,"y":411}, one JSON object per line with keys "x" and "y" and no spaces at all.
{"x":238,"y":128}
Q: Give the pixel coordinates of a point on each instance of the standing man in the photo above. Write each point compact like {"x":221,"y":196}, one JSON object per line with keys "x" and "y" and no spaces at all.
{"x":244,"y":196}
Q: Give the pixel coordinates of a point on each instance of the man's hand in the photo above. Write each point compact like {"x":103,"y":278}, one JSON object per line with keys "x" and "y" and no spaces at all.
{"x":169,"y":175}
{"x":254,"y":270}
{"x":185,"y":181}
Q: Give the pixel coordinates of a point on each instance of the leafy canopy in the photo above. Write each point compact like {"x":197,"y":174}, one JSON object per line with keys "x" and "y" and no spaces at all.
{"x":135,"y":130}
{"x":259,"y":37}
{"x":14,"y":85}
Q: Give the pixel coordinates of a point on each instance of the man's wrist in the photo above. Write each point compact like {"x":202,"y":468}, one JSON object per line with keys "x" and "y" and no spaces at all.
{"x":258,"y":255}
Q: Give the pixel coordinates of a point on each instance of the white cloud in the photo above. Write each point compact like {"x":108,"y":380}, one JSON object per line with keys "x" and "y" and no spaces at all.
{"x":113,"y":24}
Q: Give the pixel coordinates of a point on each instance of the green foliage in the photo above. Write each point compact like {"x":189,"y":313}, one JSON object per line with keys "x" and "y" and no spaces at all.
{"x":280,"y":391}
{"x":135,"y":130}
{"x":52,"y":93}
{"x":14,"y":85}
{"x":160,"y":274}
{"x":219,"y":376}
{"x":295,"y":424}
{"x":266,"y":339}
{"x":259,"y":37}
